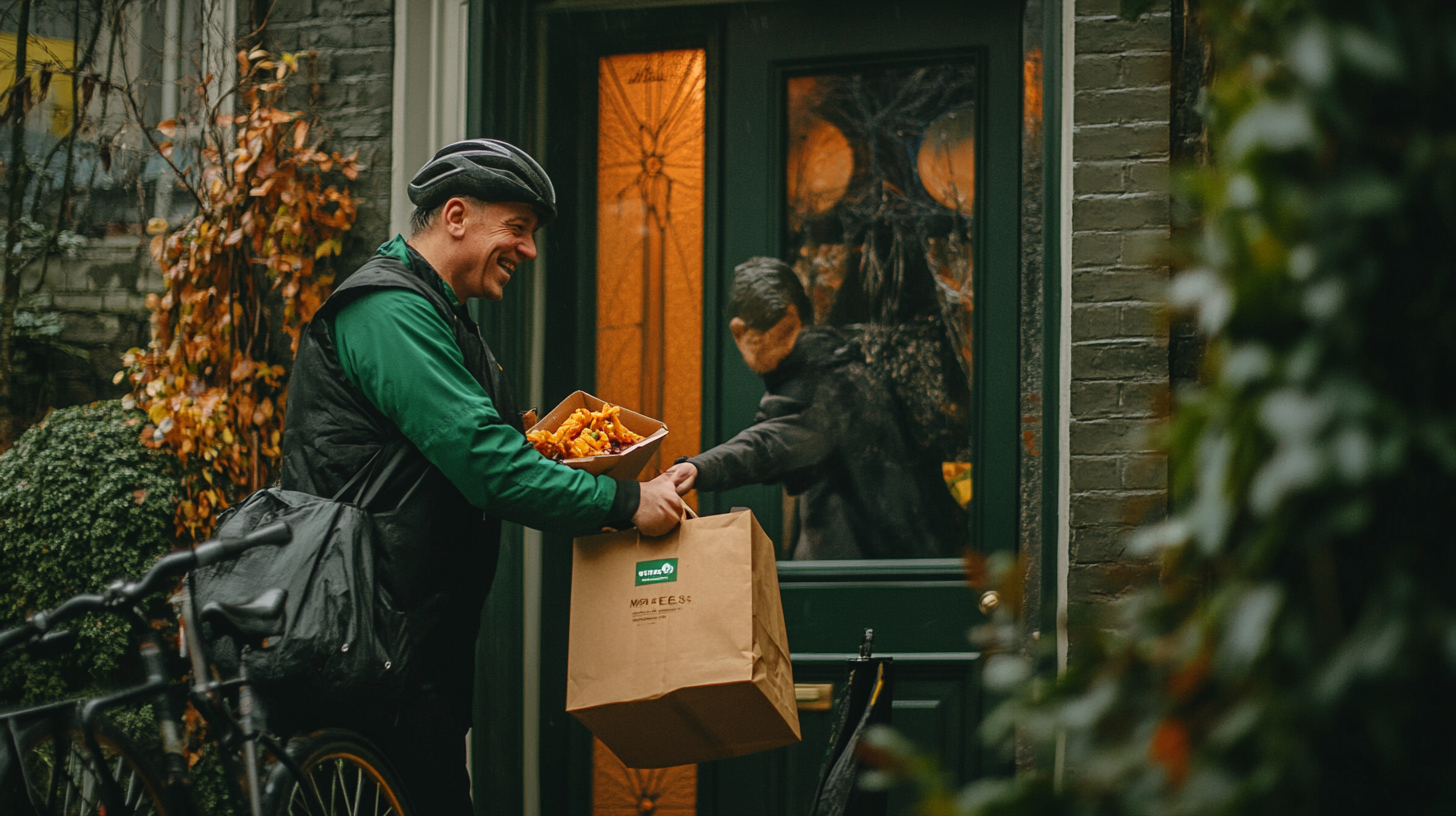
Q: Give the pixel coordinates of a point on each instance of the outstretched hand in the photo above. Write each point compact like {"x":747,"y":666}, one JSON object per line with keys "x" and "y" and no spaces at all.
{"x":660,"y":508}
{"x":684,"y":476}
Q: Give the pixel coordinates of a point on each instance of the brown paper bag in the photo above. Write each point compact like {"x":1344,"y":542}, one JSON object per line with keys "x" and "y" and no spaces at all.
{"x":678,"y":652}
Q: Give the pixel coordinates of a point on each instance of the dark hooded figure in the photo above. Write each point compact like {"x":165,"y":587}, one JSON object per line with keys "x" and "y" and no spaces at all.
{"x":828,"y":430}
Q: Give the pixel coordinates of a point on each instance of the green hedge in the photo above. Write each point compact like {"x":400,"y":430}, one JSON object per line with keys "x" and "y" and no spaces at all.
{"x":82,"y":502}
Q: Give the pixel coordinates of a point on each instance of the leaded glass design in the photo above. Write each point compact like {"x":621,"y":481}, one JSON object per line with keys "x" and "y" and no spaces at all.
{"x":650,"y":169}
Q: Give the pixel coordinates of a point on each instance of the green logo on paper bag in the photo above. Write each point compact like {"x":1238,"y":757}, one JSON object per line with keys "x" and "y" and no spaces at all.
{"x":660,"y":571}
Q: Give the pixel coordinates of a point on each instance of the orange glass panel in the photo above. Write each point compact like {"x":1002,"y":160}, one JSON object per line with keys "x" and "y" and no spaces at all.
{"x":621,"y":791}
{"x":650,"y":138}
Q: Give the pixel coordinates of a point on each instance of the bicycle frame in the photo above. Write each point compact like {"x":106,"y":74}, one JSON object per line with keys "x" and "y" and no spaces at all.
{"x":168,"y":697}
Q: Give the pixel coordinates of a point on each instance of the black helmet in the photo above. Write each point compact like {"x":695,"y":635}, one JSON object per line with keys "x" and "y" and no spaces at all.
{"x":487,"y":169}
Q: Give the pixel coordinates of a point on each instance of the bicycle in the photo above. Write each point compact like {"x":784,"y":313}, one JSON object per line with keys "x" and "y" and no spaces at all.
{"x":69,"y":760}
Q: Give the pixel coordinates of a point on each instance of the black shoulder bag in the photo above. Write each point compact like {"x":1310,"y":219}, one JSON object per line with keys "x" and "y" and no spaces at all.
{"x":343,"y":636}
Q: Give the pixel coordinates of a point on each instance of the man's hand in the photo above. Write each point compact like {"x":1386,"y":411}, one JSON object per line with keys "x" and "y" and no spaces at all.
{"x":684,"y":476}
{"x":660,"y":509}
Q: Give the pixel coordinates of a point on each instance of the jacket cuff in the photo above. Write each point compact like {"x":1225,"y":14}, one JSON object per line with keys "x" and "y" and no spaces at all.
{"x":624,"y":504}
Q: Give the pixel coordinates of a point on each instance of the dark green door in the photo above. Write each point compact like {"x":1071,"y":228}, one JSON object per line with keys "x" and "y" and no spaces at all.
{"x":906,"y":74}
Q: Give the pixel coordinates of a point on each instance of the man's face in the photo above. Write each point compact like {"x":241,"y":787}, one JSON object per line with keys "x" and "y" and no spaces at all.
{"x":496,"y":238}
{"x":763,"y":350}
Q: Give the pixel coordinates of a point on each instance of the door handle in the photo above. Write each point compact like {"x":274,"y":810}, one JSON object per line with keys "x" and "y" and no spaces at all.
{"x":814,"y":696}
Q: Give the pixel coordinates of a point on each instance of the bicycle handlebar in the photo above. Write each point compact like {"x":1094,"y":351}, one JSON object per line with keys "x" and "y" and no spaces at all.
{"x":122,"y":593}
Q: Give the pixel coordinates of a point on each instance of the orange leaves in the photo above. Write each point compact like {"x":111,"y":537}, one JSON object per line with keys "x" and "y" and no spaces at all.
{"x":1172,"y":748}
{"x":211,"y":380}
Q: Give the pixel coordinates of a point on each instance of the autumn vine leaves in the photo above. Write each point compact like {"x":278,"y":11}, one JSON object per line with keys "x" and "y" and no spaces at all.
{"x":249,"y":270}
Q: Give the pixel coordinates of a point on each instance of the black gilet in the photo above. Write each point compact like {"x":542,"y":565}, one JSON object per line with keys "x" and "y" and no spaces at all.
{"x":429,"y":537}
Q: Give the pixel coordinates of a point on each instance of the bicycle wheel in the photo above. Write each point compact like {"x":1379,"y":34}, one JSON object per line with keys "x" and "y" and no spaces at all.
{"x":342,"y":774}
{"x":64,"y":780}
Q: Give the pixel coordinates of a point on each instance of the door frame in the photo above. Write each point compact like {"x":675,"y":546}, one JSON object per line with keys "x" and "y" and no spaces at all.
{"x":516,"y":710}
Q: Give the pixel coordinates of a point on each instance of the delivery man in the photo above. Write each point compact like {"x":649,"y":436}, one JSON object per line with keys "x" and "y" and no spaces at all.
{"x":393,"y":363}
{"x":829,"y":430}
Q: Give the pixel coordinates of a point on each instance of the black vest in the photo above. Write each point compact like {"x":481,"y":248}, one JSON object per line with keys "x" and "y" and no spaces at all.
{"x":430,"y":538}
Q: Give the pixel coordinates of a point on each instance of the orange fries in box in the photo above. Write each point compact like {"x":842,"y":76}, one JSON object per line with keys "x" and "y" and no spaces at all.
{"x":586,"y":433}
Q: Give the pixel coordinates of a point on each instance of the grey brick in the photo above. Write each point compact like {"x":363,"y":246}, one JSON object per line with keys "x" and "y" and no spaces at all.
{"x":1093,"y":399}
{"x":1121,"y":212}
{"x":1154,"y":68}
{"x":1104,"y":8}
{"x":80,"y":302}
{"x":1098,"y":543}
{"x":1141,"y":320}
{"x":1096,"y":249}
{"x":1099,"y":177}
{"x":90,"y":328}
{"x":1120,"y":284}
{"x":1144,"y":247}
{"x":1103,"y":436}
{"x":1143,"y":399}
{"x":361,"y":62}
{"x":1095,"y":472}
{"x":1147,"y":176}
{"x":1149,"y":472}
{"x":1111,"y":361}
{"x":1097,"y":71}
{"x":1110,"y":35}
{"x":1131,"y":141}
{"x":329,"y":9}
{"x":1095,"y":322}
{"x":379,"y":32}
{"x":1123,"y":105}
{"x":355,"y":127}
{"x":371,"y":93}
{"x":1098,"y":508}
{"x":334,"y":35}
{"x":125,"y":302}
{"x":290,"y":11}
{"x":1099,"y":583}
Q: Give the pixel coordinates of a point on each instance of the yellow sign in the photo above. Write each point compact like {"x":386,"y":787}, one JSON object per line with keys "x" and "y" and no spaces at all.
{"x":43,"y":52}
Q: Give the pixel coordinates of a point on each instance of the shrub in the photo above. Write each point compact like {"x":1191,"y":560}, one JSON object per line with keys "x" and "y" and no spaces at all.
{"x":82,"y":502}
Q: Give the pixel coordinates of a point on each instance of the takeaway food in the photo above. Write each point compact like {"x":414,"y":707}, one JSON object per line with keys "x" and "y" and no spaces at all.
{"x":586,"y":433}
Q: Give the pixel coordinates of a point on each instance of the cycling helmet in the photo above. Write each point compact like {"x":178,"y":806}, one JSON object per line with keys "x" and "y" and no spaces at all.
{"x":487,"y":169}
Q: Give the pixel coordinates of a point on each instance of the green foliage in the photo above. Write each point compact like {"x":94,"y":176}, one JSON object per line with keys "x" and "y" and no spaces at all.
{"x":82,"y":502}
{"x":1298,"y":652}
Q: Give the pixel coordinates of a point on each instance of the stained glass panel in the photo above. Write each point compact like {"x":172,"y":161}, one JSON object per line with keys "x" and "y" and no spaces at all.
{"x":650,"y":140}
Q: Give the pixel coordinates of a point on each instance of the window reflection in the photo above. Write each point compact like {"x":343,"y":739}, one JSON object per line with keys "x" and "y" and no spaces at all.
{"x":650,"y":239}
{"x":880,"y":188}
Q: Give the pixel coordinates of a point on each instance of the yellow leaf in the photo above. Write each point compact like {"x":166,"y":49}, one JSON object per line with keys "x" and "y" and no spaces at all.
{"x":156,"y":226}
{"x":330,"y":246}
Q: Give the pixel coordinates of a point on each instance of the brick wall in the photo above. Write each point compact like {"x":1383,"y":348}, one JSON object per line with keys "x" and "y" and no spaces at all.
{"x":99,"y":297}
{"x":353,"y":97}
{"x":1120,"y":216}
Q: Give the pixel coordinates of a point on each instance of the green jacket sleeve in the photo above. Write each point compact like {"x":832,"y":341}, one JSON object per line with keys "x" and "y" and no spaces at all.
{"x":402,"y":355}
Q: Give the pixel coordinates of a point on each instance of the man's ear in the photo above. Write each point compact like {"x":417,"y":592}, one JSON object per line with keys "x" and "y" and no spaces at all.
{"x":453,"y":215}
{"x":738,"y":328}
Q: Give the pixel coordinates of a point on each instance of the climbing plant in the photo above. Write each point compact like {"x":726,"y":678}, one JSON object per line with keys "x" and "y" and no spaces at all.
{"x":1297,"y":652}
{"x":241,"y":279}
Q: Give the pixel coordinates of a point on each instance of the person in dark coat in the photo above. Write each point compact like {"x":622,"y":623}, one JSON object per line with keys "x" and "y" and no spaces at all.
{"x":828,"y":430}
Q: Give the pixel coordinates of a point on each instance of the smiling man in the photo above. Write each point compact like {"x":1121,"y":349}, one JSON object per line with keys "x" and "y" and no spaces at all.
{"x":393,"y":381}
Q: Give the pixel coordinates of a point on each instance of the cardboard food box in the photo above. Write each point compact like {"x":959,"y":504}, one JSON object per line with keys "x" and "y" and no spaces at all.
{"x":624,"y":465}
{"x":678,"y":652}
